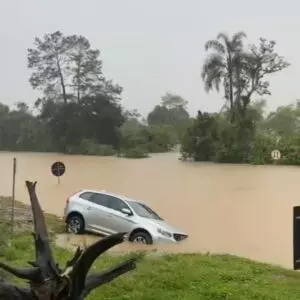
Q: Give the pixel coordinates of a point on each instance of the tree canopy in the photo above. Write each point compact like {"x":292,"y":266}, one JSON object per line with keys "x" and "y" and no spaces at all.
{"x":67,"y":68}
{"x":239,"y":70}
{"x":171,"y":112}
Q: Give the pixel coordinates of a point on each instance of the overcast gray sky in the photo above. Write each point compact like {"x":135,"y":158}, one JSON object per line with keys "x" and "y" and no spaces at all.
{"x":149,"y":47}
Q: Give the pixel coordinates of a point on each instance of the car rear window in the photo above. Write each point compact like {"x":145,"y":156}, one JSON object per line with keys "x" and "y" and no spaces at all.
{"x":86,"y":195}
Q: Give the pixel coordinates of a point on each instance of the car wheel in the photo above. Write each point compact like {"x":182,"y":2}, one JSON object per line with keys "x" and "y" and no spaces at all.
{"x":141,"y":237}
{"x":75,"y":224}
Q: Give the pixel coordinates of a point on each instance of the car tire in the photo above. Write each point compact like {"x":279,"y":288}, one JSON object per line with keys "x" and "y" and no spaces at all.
{"x":75,"y":224}
{"x":141,"y":237}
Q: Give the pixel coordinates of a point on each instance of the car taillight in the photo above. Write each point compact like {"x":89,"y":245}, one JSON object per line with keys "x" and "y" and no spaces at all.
{"x":69,"y":199}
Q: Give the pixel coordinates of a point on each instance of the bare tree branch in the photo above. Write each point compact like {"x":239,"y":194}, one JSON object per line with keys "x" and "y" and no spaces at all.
{"x":47,"y":280}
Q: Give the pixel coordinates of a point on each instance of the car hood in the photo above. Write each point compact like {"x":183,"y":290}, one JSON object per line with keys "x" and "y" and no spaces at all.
{"x":164,"y":225}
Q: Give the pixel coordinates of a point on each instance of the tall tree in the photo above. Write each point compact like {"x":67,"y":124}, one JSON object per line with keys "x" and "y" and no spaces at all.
{"x":86,"y":70}
{"x":85,"y":65}
{"x":241,"y":71}
{"x":171,"y":101}
{"x":223,"y":64}
{"x":259,"y":62}
{"x":50,"y":65}
{"x":66,"y":67}
{"x":172,"y":111}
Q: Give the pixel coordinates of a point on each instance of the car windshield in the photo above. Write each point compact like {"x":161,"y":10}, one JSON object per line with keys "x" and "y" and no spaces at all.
{"x":144,"y":211}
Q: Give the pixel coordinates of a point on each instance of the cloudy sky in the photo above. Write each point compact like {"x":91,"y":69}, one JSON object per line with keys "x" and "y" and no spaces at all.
{"x":149,"y":47}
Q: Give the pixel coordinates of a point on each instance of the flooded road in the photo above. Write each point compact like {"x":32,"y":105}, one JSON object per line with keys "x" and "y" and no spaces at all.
{"x":236,"y":209}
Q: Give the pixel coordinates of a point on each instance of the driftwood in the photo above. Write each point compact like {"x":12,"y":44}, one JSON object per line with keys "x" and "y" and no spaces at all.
{"x":46,"y":280}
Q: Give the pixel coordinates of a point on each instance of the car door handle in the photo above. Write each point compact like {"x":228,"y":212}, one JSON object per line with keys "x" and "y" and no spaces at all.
{"x":110,"y":215}
{"x":89,"y":208}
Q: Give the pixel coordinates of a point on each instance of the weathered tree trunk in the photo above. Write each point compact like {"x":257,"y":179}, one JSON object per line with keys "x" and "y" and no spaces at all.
{"x":46,"y":280}
{"x":62,"y":81}
{"x":231,"y":101}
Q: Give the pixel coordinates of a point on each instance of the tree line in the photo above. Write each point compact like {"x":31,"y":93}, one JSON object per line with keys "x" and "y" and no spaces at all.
{"x":80,"y":110}
{"x":93,"y":126}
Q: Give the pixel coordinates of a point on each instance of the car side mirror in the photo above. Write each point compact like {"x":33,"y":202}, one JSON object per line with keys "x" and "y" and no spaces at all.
{"x":127,"y":211}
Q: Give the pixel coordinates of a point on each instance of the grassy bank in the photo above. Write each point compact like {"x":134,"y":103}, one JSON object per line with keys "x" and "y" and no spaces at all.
{"x":176,"y":276}
{"x":23,"y":217}
{"x":182,"y":276}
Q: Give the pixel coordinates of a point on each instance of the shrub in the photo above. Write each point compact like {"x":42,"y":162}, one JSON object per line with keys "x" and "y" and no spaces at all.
{"x":90,"y":147}
{"x":136,"y":152}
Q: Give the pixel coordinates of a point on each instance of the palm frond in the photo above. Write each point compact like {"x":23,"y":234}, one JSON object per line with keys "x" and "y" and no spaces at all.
{"x":213,"y":61}
{"x":224,"y":37}
{"x":214,"y":45}
{"x":237,"y":40}
{"x":213,"y":80}
{"x":234,"y":44}
{"x":213,"y":71}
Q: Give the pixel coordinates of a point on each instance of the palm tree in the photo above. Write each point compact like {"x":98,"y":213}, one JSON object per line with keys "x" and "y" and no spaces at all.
{"x":222,"y":66}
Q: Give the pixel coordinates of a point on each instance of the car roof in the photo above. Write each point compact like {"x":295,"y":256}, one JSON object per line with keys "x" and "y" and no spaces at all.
{"x":109,"y":194}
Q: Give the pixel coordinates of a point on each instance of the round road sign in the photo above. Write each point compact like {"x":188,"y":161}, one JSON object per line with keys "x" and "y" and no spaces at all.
{"x":58,"y":169}
{"x":275,"y":154}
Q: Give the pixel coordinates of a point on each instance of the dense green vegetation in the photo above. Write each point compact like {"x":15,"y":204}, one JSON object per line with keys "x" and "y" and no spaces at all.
{"x":212,"y":138}
{"x":242,"y":132}
{"x":80,"y":111}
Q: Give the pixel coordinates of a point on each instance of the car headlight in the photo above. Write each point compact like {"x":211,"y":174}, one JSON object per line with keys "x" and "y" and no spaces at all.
{"x":164,"y":232}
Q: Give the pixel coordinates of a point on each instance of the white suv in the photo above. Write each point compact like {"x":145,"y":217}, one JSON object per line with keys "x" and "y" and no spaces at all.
{"x":106,"y":213}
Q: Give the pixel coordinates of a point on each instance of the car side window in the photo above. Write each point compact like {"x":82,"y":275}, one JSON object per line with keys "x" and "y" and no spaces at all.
{"x":86,"y":195}
{"x":116,"y":203}
{"x":100,"y":199}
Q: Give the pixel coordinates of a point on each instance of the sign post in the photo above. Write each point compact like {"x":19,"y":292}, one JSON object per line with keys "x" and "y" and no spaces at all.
{"x":13,"y":194}
{"x":296,"y":233}
{"x":58,"y":169}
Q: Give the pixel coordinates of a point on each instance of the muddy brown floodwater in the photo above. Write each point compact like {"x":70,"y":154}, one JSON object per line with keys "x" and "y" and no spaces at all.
{"x":236,"y":209}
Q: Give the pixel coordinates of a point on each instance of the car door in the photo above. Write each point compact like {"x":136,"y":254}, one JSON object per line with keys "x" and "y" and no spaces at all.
{"x":99,"y":214}
{"x":119,"y":222}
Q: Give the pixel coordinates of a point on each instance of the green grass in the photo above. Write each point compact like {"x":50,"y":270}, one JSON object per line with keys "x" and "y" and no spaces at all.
{"x":180,"y":276}
{"x":172,"y":277}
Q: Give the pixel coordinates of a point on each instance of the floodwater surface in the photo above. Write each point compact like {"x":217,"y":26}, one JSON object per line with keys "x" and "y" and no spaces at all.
{"x":237,"y":209}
